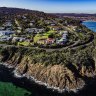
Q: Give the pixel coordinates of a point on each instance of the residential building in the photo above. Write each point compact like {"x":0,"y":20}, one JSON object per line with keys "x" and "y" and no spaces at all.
{"x":50,"y":41}
{"x":6,"y":32}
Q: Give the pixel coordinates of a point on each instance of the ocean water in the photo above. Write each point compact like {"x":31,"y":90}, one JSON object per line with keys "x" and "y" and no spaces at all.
{"x":8,"y":89}
{"x":90,"y":24}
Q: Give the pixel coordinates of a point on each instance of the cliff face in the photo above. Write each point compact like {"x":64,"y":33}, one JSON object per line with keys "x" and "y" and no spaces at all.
{"x":70,"y":70}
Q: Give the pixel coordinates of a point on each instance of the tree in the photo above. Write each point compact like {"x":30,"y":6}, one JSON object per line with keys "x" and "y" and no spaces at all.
{"x":51,"y":35}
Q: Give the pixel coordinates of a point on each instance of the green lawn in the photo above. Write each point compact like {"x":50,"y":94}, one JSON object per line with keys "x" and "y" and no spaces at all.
{"x":43,"y":36}
{"x":8,"y":89}
{"x":24,"y":43}
{"x":39,"y":36}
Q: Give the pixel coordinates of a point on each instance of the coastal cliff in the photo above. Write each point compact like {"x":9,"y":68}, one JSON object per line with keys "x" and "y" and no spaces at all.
{"x":69,"y":69}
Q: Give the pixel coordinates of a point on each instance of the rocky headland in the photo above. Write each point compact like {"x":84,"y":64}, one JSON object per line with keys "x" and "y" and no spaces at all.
{"x":69,"y":70}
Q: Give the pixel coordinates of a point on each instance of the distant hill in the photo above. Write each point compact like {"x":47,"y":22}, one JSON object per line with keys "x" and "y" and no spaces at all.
{"x":14,"y":11}
{"x":74,"y":14}
{"x":17,"y":10}
{"x":10,"y":10}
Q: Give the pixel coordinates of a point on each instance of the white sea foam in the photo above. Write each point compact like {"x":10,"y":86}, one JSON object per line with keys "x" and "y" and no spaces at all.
{"x":17,"y":75}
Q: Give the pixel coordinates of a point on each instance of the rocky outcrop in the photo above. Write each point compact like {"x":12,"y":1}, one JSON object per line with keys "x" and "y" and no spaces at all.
{"x":70,"y":76}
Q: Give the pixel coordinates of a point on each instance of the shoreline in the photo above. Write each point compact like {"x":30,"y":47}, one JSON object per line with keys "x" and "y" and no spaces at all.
{"x":92,"y":28}
{"x":89,"y":21}
{"x":40,"y":83}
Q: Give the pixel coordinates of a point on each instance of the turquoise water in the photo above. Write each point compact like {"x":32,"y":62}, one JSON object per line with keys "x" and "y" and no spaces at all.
{"x":90,"y":24}
{"x":8,"y":89}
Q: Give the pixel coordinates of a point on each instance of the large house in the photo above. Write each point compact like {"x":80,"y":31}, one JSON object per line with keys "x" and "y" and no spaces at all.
{"x":18,"y":39}
{"x":8,"y":24}
{"x":6,"y":32}
{"x":64,"y":39}
{"x":5,"y":38}
{"x":34,"y":30}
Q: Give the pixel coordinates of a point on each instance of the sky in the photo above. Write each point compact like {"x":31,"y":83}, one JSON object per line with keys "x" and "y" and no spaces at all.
{"x":53,"y":6}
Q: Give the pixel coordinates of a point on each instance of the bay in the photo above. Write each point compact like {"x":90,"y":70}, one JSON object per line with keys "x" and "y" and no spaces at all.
{"x":90,"y":25}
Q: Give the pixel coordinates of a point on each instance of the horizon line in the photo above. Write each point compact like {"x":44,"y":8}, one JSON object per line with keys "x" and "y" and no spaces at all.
{"x":48,"y":12}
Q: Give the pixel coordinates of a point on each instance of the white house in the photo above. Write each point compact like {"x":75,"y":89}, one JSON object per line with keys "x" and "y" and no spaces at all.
{"x":6,"y":32}
{"x":18,"y":39}
{"x":34,"y":30}
{"x":64,"y":39}
{"x":8,"y":24}
{"x":15,"y":39}
{"x":31,"y":24}
{"x":30,"y":30}
{"x":5,"y":38}
{"x":40,"y":30}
